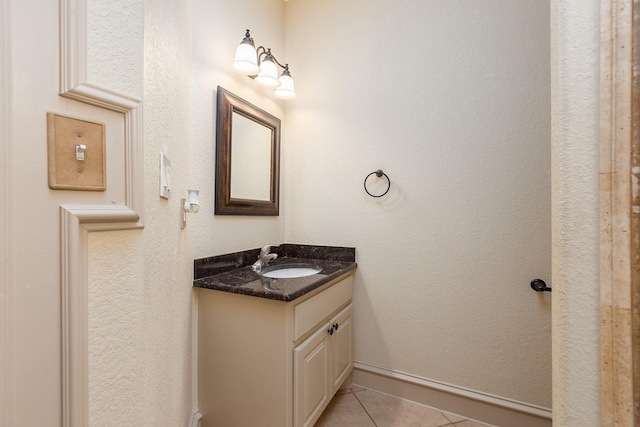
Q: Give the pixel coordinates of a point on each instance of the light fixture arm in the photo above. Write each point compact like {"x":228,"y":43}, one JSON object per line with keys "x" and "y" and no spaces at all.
{"x":267,"y":53}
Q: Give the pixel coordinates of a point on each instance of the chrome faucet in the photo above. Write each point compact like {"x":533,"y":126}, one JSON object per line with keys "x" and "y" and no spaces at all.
{"x":264,"y":258}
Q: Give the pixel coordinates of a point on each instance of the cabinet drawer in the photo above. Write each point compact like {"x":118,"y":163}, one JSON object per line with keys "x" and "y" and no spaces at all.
{"x":309,"y":313}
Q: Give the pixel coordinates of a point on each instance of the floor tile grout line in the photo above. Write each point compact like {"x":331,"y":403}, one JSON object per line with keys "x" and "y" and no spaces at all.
{"x":365,"y":409}
{"x":448,"y":424}
{"x":450,"y":420}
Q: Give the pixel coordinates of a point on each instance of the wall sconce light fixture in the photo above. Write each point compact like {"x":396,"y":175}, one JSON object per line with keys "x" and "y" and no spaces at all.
{"x":260,"y":64}
{"x":191,"y":205}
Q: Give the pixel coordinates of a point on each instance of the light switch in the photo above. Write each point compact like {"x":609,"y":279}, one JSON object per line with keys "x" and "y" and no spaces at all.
{"x":77,"y":154}
{"x":165,"y":177}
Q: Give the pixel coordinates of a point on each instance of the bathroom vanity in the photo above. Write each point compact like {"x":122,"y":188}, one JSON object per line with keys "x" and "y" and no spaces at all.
{"x":273,"y":352}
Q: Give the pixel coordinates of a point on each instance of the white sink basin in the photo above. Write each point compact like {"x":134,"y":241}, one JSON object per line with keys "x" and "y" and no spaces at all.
{"x":289,"y":272}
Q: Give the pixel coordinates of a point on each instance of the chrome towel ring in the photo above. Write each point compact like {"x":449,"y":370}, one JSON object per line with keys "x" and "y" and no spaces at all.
{"x":379,"y":174}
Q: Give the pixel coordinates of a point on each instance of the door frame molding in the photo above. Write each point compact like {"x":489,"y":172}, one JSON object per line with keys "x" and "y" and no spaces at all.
{"x":619,"y":244}
{"x":635,"y":211}
{"x":76,"y":221}
{"x":6,"y":294}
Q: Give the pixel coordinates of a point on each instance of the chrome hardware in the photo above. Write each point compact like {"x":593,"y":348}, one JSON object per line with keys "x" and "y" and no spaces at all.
{"x":264,"y":258}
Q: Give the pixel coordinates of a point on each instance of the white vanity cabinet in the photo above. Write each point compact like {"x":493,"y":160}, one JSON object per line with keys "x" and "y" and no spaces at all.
{"x":321,"y":363}
{"x":269,"y":363}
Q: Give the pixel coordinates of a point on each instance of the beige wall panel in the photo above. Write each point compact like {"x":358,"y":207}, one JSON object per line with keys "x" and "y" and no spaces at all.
{"x":451,"y":101}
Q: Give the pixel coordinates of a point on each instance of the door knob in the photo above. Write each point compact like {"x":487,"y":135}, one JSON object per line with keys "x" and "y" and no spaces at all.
{"x":539,"y":285}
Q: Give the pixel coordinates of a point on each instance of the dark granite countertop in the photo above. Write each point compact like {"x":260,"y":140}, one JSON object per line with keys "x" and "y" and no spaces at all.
{"x":233,"y":272}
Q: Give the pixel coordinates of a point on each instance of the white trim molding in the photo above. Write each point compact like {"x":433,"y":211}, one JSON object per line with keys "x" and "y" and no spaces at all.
{"x":75,"y":224}
{"x":465,"y":402}
{"x":195,"y":419}
{"x":77,"y":221}
{"x":74,"y":85}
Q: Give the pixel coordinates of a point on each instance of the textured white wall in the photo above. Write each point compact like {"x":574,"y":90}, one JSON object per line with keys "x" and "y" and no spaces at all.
{"x":185,"y":58}
{"x":575,"y":45}
{"x":451,"y":100}
{"x":461,"y":130}
{"x":114,"y":44}
{"x":168,"y":254}
{"x":217,"y":29}
{"x":189,"y":47}
{"x":117,"y":385}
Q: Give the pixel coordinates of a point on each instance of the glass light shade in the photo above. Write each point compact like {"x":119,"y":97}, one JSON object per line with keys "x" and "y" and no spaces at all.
{"x":246,"y":60}
{"x":285,"y":91}
{"x":268,"y":74}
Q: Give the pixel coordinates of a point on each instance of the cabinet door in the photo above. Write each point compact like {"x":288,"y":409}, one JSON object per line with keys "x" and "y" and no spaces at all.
{"x":312,"y":390}
{"x":341,"y":347}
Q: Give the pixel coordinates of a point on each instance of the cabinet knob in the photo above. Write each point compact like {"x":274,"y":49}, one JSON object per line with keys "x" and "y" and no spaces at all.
{"x":335,"y":326}
{"x":330,"y":331}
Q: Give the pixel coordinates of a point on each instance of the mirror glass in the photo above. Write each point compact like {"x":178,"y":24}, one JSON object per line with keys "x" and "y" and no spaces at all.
{"x":247,"y":158}
{"x":250,"y":173}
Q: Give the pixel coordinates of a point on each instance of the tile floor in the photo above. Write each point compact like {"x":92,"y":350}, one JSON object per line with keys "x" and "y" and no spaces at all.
{"x":360,"y":407}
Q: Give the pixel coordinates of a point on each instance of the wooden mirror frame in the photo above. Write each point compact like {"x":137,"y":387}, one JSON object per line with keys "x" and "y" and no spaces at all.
{"x":228,"y":104}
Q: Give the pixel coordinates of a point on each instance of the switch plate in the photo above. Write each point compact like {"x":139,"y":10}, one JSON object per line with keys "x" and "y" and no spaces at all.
{"x":66,"y":169}
{"x":165,"y":176}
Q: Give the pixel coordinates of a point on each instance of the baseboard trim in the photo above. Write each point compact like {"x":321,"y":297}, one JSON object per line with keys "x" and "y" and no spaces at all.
{"x":468,"y":403}
{"x":195,"y":419}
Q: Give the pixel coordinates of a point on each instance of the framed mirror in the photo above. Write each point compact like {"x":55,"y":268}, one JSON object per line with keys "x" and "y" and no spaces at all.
{"x":247,"y":158}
